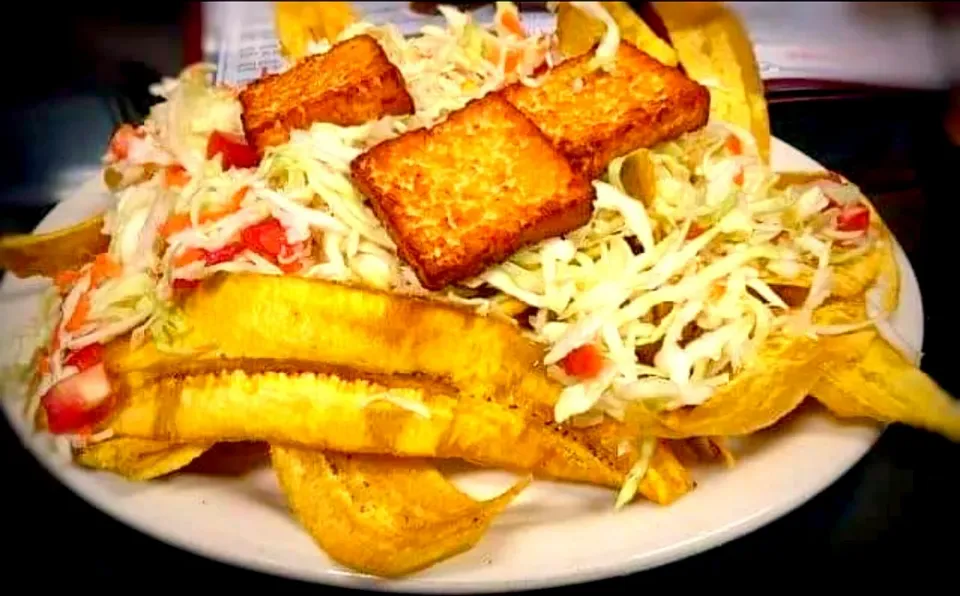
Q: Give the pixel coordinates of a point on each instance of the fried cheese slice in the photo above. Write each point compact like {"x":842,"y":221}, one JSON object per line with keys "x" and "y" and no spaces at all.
{"x":381,"y":515}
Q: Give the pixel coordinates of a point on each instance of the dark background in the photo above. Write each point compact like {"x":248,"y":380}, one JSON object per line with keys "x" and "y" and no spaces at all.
{"x":74,"y":72}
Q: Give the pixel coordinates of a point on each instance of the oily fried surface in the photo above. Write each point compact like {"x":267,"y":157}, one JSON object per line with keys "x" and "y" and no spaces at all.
{"x":26,"y":255}
{"x":351,"y":84}
{"x":381,"y":515}
{"x":488,"y":399}
{"x":138,"y":459}
{"x":593,"y":117}
{"x":713,"y":45}
{"x":765,"y":391}
{"x":884,"y":386}
{"x":471,"y":191}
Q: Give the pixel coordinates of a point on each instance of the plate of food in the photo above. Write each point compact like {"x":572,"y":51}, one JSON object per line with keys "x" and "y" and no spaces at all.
{"x":470,"y":311}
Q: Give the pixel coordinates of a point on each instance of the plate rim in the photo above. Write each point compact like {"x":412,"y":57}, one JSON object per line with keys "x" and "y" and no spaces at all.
{"x":338,"y":577}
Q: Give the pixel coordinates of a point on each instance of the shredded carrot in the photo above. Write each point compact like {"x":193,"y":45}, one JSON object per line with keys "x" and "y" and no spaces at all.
{"x":738,"y":177}
{"x":103,"y":268}
{"x":43,"y":367}
{"x":175,"y":224}
{"x":190,"y":255}
{"x":65,"y":280}
{"x":80,"y":314}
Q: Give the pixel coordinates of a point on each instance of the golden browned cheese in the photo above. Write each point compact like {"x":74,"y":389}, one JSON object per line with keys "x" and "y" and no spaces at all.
{"x":351,"y":84}
{"x":471,"y":191}
{"x":594,"y":117}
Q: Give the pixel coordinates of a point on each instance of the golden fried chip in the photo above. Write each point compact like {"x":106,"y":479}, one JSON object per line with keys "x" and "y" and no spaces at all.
{"x":884,"y":386}
{"x":380,"y":515}
{"x":666,"y":479}
{"x":299,"y":23}
{"x":488,"y":397}
{"x":358,"y":416}
{"x":138,"y":459}
{"x":850,"y":278}
{"x":716,"y":51}
{"x":26,"y":255}
{"x":637,"y":176}
{"x":771,"y":386}
{"x":578,"y":32}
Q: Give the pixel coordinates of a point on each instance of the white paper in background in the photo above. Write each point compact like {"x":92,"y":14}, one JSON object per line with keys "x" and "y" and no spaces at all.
{"x":872,"y":43}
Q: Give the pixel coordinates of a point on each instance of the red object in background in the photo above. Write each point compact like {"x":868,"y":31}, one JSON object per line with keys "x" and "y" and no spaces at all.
{"x":193,"y":33}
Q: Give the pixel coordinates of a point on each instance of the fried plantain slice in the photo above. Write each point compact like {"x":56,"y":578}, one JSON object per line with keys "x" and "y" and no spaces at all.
{"x":578,"y":32}
{"x":27,"y":255}
{"x":771,"y":386}
{"x":885,"y":387}
{"x":382,"y":515}
{"x":138,"y":459}
{"x":358,"y":416}
{"x":489,"y":398}
{"x":715,"y":50}
{"x":299,"y":23}
{"x":288,"y":318}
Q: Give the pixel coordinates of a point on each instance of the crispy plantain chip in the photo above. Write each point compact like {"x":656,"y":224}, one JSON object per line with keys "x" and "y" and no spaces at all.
{"x":716,"y":51}
{"x":299,"y":23}
{"x":296,"y":319}
{"x":884,"y":386}
{"x":138,"y":459}
{"x":382,"y":361}
{"x":771,"y":386}
{"x":578,"y":32}
{"x":357,"y":416}
{"x":26,"y":255}
{"x":381,"y":515}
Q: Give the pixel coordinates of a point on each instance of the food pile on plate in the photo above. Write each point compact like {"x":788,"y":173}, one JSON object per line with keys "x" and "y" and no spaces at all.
{"x":562,"y":254}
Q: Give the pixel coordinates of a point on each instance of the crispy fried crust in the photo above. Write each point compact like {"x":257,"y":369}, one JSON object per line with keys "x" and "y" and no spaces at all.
{"x":351,"y":84}
{"x":471,"y":191}
{"x":641,"y":103}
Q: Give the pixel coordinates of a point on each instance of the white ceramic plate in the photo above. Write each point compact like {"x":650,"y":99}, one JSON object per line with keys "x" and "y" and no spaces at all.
{"x":553,"y":534}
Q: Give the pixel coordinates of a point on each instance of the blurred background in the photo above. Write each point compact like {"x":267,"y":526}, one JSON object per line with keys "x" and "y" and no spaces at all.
{"x":74,"y":72}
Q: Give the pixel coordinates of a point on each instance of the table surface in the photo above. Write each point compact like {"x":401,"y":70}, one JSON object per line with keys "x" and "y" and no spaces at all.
{"x":892,"y":516}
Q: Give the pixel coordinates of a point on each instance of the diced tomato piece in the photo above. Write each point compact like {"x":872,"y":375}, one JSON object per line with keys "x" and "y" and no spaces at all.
{"x":738,"y":177}
{"x":734,"y":145}
{"x":234,"y":149}
{"x":85,"y":358}
{"x":175,"y":177}
{"x":185,"y":284}
{"x":104,"y":268}
{"x":853,"y":218}
{"x":190,"y":255}
{"x":267,"y":237}
{"x":225,"y":254}
{"x":80,"y":313}
{"x":78,"y":401}
{"x":585,"y":362}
